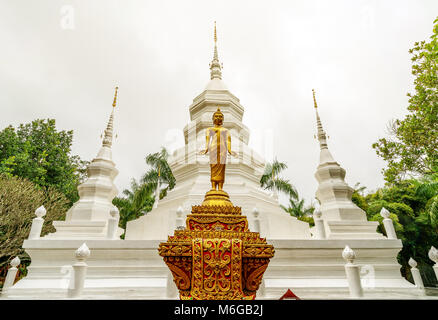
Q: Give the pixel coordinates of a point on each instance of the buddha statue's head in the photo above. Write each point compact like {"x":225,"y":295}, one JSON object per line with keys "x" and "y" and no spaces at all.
{"x":218,"y":117}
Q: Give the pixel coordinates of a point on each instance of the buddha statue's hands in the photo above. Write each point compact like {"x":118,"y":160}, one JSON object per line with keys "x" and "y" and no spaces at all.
{"x":202,"y":152}
{"x":234,"y":154}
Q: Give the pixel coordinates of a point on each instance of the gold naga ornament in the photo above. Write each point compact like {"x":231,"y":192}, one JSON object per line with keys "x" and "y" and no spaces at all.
{"x":216,"y":257}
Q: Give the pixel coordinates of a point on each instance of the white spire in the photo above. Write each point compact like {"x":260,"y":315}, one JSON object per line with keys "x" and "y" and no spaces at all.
{"x":342,"y":218}
{"x":325,"y":155}
{"x":321,"y":133}
{"x":215,"y":66}
{"x":108,"y":137}
{"x":88,"y":217}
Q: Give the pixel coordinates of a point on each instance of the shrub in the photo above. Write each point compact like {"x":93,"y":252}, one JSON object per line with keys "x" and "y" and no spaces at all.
{"x":19,"y":198}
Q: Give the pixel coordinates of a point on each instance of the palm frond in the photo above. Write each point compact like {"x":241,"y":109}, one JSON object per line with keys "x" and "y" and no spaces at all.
{"x":427,"y":190}
{"x":277,"y":167}
{"x":297,"y":208}
{"x":160,"y":169}
{"x":286,"y":187}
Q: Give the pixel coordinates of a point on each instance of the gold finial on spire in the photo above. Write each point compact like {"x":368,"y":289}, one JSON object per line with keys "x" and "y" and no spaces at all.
{"x":314,"y":99}
{"x":115,"y":98}
{"x":215,"y":65}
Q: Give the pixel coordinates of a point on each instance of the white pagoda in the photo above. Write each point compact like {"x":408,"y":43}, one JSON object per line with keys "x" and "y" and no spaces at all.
{"x":312,"y":267}
{"x":192,"y":171}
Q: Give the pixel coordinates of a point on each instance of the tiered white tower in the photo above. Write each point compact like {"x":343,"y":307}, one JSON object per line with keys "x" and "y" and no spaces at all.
{"x":88,"y":217}
{"x":343,"y":219}
{"x":314,"y":268}
{"x":192,"y":171}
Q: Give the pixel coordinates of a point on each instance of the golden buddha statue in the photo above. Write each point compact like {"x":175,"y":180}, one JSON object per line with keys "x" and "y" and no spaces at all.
{"x":218,"y":146}
{"x":216,"y":257}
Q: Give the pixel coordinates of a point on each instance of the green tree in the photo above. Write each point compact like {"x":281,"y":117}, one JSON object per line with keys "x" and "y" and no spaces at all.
{"x":412,"y":148}
{"x":298,"y":209}
{"x":408,"y":207}
{"x":19,"y":198}
{"x":270,"y":179}
{"x":42,"y":154}
{"x":140,"y":199}
{"x":358,"y":198}
{"x":137,"y":202}
{"x":428,"y":189}
{"x":159,"y":172}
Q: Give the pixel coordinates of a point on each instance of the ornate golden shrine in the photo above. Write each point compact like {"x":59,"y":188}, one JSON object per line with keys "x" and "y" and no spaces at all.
{"x":216,"y":257}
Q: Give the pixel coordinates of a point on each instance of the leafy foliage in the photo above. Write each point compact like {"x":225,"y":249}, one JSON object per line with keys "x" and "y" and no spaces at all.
{"x":137,"y":202}
{"x":140,"y":199}
{"x":19,"y":198}
{"x":408,"y":204}
{"x":412,"y":148}
{"x":299,"y":210}
{"x":38,"y":152}
{"x":160,"y":172}
{"x":270,"y":179}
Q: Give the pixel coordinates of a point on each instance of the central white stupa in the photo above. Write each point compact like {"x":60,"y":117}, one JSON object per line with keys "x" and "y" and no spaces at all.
{"x":192,"y":171}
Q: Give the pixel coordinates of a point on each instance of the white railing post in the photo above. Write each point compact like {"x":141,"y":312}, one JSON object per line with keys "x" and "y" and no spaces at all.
{"x":171,"y":289}
{"x":433,"y":255}
{"x":113,"y":223}
{"x":416,"y":274}
{"x":79,"y":272}
{"x":353,"y":273}
{"x":179,"y":218}
{"x":262,"y":289}
{"x":256,"y":213}
{"x":37,"y":223}
{"x":319,"y":225}
{"x":388,"y":224}
{"x":11,"y":275}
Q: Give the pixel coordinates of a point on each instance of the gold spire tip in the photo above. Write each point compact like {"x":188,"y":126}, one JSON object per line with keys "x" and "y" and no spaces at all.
{"x":314,"y":99}
{"x":215,"y":36}
{"x":115,"y":97}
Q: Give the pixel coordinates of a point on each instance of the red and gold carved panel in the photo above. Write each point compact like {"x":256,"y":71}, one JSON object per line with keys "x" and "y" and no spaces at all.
{"x":216,"y":257}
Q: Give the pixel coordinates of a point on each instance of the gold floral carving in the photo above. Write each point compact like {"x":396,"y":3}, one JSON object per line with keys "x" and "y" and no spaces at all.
{"x":227,"y":210}
{"x":179,"y":249}
{"x":253,"y":273}
{"x":216,"y":257}
{"x":181,"y":268}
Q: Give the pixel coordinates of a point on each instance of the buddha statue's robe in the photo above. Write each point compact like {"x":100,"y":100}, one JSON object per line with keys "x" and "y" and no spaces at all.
{"x":217,"y":150}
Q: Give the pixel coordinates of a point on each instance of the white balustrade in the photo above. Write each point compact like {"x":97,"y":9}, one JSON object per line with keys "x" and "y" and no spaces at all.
{"x":113,"y":223}
{"x":433,"y":255}
{"x":388,"y":224}
{"x":416,"y":274}
{"x":79,"y":272}
{"x":261,"y":293}
{"x":11,"y":275}
{"x":179,"y":218}
{"x":319,"y":225}
{"x":171,"y":289}
{"x":37,"y":223}
{"x":353,"y":273}
{"x":256,"y":213}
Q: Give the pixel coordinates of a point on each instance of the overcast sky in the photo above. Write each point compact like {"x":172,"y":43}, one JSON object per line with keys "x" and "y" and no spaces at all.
{"x":62,"y":59}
